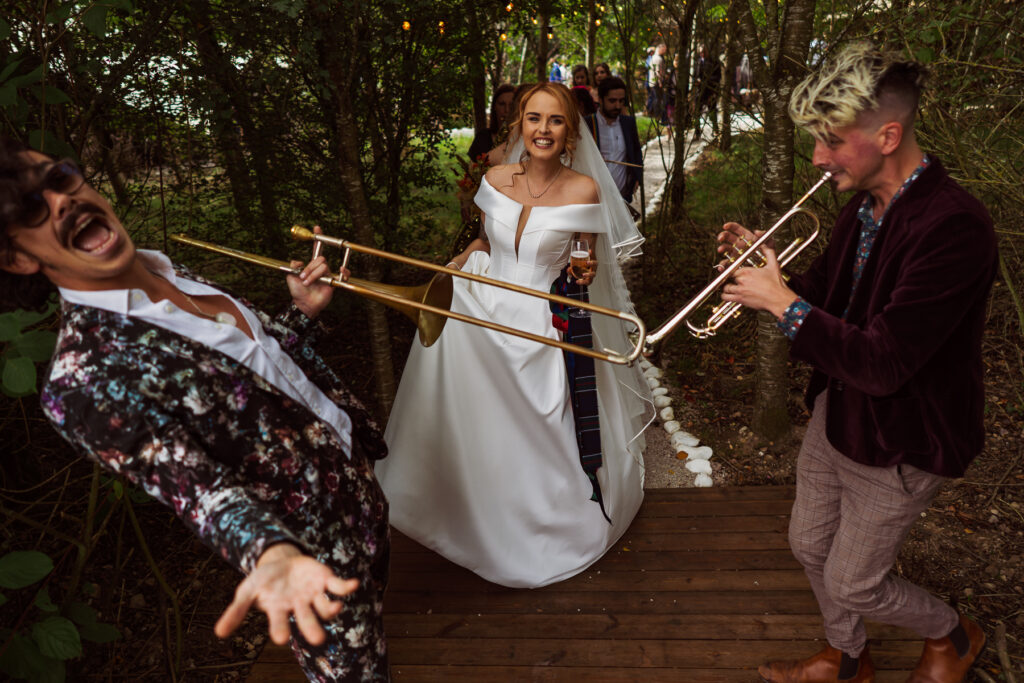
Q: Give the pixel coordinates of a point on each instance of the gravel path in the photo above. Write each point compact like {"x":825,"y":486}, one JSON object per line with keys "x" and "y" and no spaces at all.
{"x":673,"y":461}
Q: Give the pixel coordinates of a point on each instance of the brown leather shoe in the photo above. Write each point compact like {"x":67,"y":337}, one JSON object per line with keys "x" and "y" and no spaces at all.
{"x":820,"y":668}
{"x":940,"y":662}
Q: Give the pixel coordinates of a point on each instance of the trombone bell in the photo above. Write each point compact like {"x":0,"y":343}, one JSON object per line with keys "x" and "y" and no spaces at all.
{"x":436,"y":292}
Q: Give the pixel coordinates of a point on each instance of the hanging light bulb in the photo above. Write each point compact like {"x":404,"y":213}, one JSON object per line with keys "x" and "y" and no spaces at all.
{"x":597,"y":22}
{"x":406,"y":26}
{"x":508,"y":7}
{"x":550,"y":31}
{"x":503,"y":37}
{"x":440,"y":27}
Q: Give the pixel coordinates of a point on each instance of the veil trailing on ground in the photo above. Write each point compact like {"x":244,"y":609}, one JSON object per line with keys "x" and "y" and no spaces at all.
{"x":621,"y":242}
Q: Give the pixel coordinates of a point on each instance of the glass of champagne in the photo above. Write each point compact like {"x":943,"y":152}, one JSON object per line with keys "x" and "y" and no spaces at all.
{"x":579,"y":254}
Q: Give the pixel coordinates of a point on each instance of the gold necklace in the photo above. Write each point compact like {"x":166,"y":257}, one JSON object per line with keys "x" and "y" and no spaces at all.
{"x":538,"y":196}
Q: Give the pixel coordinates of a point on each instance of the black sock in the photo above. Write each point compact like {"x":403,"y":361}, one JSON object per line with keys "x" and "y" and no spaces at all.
{"x":961,"y":642}
{"x":848,"y":667}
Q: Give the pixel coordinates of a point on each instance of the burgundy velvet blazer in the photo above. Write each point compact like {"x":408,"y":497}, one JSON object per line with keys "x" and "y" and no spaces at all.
{"x":903,"y":371}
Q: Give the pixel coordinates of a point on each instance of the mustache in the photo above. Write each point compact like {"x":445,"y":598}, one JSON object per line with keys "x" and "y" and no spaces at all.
{"x":82,"y":208}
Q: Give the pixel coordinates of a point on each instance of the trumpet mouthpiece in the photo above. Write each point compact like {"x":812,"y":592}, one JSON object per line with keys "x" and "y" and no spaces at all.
{"x":301,"y":233}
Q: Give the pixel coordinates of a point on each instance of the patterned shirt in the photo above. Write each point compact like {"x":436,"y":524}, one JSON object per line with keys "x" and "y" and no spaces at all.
{"x":262,"y":354}
{"x":238,"y":460}
{"x":794,"y":316}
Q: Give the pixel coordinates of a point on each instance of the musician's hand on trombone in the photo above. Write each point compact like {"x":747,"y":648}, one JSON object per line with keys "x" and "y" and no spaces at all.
{"x":761,"y":288}
{"x":309,"y":295}
{"x":734,"y":240}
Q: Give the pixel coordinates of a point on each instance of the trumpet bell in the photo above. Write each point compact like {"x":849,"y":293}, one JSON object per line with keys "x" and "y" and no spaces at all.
{"x":436,"y":292}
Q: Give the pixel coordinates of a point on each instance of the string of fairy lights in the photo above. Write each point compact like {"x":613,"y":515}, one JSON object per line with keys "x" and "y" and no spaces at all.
{"x":549,"y":30}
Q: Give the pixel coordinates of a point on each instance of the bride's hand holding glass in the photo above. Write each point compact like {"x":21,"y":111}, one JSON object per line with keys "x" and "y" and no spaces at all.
{"x":582,"y":264}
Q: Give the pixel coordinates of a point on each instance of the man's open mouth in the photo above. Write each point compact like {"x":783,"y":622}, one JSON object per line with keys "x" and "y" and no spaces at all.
{"x":91,"y":233}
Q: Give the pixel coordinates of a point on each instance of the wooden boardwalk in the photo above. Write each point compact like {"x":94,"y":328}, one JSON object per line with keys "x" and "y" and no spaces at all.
{"x":702,"y":587}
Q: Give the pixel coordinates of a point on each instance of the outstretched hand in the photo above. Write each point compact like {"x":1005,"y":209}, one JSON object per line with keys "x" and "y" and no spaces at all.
{"x":287,"y":583}
{"x":311,"y":296}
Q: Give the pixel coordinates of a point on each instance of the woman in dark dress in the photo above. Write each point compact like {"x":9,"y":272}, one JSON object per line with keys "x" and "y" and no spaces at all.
{"x":501,"y":105}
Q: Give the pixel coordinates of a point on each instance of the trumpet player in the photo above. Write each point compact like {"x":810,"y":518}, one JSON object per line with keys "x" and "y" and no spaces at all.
{"x":890,"y":317}
{"x":216,"y":410}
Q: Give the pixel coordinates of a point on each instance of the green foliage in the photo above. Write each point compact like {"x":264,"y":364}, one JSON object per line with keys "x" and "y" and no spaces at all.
{"x":23,"y":348}
{"x":23,"y":568}
{"x":44,"y":639}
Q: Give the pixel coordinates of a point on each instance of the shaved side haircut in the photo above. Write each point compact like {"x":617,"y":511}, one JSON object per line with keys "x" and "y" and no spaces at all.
{"x":860,"y":78}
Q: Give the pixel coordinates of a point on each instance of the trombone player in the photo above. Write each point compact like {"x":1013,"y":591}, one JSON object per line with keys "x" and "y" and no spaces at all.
{"x":890,"y":316}
{"x":216,"y":410}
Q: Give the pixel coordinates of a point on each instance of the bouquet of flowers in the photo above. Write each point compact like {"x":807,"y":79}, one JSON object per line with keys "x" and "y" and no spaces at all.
{"x":473,"y":172}
{"x":465,"y":190}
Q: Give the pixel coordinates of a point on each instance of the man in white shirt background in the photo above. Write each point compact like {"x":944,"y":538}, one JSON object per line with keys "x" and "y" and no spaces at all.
{"x":616,"y":136}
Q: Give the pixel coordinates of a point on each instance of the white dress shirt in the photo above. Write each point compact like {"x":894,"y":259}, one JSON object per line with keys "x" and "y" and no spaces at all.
{"x":262,"y":354}
{"x":613,"y":147}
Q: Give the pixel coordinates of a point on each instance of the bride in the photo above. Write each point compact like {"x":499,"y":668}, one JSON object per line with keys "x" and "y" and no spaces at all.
{"x":485,"y":463}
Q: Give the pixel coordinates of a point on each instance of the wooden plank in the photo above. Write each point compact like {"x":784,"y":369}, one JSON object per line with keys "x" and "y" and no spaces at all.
{"x":679,"y":539}
{"x":594,"y":579}
{"x":637,"y":602}
{"x":519,"y":674}
{"x":715,"y":508}
{"x":677,"y":560}
{"x":622,"y":626}
{"x":575,"y":652}
{"x":702,"y":587}
{"x":717,"y":493}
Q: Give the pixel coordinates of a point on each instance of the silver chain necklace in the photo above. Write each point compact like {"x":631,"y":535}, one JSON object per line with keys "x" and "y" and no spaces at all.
{"x":538,"y":196}
{"x":221,"y":317}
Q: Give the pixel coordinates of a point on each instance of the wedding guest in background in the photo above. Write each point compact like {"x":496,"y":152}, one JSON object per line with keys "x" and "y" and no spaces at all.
{"x":616,"y":136}
{"x":501,"y":105}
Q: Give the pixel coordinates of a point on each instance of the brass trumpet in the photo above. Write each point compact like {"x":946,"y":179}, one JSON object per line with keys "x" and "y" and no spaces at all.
{"x":428,"y":305}
{"x":751,"y":256}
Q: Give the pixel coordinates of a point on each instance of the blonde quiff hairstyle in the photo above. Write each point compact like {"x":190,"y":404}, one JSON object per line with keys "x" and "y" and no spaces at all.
{"x":854,"y":82}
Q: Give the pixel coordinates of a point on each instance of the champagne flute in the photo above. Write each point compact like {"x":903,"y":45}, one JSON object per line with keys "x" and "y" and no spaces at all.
{"x":579,"y":255}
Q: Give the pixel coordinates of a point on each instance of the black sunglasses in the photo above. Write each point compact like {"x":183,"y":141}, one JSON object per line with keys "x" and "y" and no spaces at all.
{"x":62,"y":176}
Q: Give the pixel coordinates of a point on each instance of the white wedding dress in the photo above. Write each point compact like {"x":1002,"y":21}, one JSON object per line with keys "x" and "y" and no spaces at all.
{"x":483,"y":464}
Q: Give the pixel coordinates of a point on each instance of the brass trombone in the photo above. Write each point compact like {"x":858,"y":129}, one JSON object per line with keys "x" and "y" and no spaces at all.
{"x":428,"y":305}
{"x":751,"y":256}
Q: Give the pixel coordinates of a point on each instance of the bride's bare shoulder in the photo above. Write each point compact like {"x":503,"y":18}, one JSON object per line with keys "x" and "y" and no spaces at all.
{"x":502,"y":173}
{"x":580,"y":189}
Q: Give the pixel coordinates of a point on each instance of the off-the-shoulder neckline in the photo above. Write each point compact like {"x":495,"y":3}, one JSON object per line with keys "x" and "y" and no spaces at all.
{"x":484,"y":179}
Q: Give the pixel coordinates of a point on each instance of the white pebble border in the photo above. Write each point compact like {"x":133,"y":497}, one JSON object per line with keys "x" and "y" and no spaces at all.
{"x":697,"y":456}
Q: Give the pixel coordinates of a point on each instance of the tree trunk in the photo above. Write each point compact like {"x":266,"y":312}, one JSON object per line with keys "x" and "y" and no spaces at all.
{"x":223,"y":77}
{"x":542,"y":47}
{"x":729,"y":77}
{"x":591,"y":37}
{"x":788,"y":37}
{"x":681,"y":117}
{"x":341,"y":70}
{"x":477,"y":75}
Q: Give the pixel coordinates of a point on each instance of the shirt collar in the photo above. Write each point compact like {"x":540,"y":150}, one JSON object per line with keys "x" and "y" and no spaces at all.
{"x":117,"y":300}
{"x":866,"y":215}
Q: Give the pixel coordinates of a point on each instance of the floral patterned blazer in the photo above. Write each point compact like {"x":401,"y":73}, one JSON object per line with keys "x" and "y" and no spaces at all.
{"x":238,"y":461}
